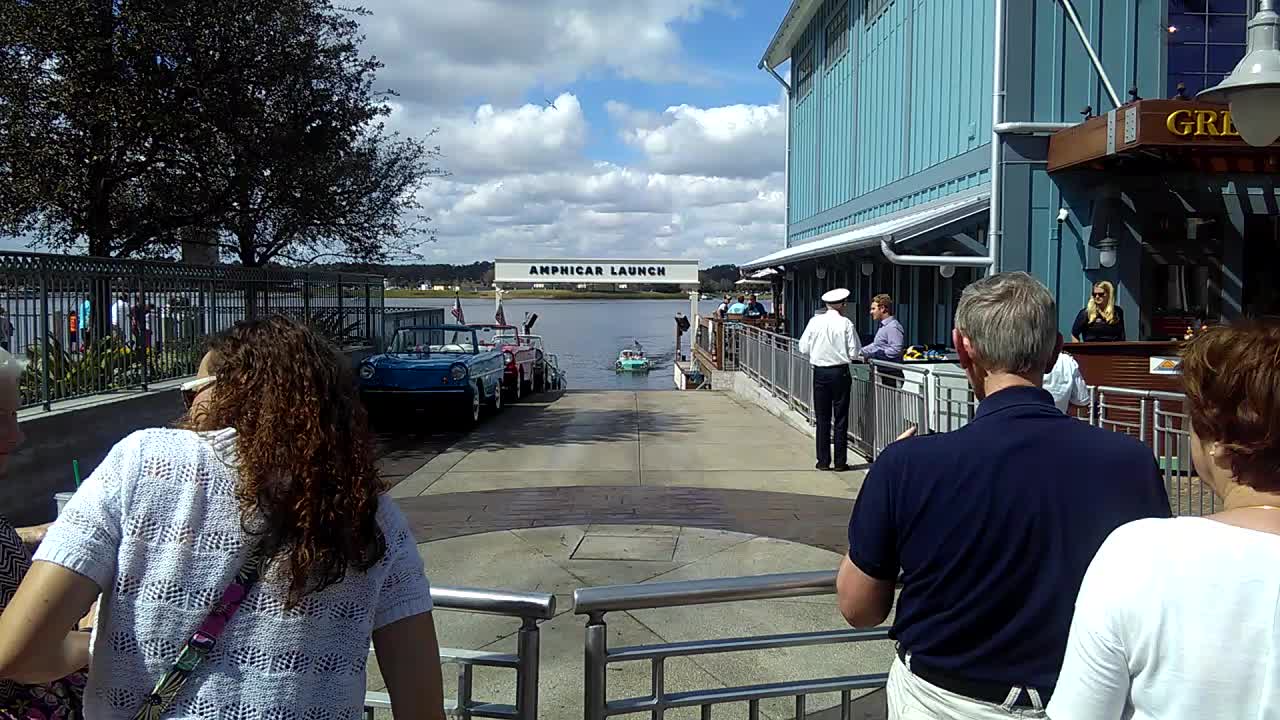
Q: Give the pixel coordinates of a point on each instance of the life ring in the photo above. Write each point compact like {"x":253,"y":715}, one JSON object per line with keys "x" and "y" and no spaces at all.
{"x":617,"y":365}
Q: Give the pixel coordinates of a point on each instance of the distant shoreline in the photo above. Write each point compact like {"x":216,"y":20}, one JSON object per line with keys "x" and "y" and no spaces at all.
{"x":535,"y":295}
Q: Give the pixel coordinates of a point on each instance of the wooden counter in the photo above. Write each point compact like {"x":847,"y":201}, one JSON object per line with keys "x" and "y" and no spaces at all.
{"x":1125,"y":364}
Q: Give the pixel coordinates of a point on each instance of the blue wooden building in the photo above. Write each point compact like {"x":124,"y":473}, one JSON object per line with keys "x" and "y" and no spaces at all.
{"x":897,"y":128}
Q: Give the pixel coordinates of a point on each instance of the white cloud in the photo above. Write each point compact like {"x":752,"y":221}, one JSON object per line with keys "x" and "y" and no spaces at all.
{"x":608,"y":210}
{"x":735,"y":141}
{"x":493,"y":141}
{"x":521,"y":179}
{"x":441,"y":53}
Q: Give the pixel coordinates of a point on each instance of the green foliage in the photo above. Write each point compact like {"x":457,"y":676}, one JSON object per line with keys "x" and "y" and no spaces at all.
{"x":255,"y":127}
{"x":106,"y":365}
{"x":337,"y":328}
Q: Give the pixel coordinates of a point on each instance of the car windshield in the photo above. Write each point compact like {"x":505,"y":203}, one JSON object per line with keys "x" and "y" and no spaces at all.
{"x":424,"y":341}
{"x":490,"y":336}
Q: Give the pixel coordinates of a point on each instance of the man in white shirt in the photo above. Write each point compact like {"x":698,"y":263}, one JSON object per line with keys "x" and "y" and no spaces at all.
{"x":120,"y":315}
{"x":831,"y":342}
{"x":1066,"y":384}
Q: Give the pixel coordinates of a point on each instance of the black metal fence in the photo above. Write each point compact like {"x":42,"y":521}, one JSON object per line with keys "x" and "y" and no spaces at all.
{"x":88,"y":326}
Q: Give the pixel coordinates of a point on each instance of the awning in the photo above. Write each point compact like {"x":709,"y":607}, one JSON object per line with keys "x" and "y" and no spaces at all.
{"x":966,"y":206}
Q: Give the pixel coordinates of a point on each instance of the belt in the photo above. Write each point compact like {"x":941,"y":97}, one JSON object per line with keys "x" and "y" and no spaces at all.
{"x":995,"y":693}
{"x":831,"y":367}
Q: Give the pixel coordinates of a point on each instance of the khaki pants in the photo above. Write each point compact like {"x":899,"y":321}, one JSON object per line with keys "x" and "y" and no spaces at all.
{"x":911,"y":698}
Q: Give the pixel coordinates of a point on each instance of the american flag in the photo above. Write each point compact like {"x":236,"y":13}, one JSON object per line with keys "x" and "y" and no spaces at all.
{"x":457,"y":310}
{"x":500,"y":316}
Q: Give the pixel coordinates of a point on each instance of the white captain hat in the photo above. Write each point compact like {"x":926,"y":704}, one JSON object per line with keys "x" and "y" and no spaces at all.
{"x":836,"y":296}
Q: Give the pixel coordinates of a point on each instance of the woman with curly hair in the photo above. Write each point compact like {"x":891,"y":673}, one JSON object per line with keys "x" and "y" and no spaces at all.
{"x":244,"y":561}
{"x":1180,"y":618}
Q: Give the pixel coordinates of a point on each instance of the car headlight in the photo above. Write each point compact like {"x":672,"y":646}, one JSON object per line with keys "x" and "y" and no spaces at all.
{"x":366,"y":371}
{"x":508,"y":358}
{"x":458,"y":372}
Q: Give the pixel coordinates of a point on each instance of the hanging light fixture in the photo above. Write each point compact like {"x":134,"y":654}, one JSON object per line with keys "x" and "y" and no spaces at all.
{"x":947,"y":271}
{"x":1253,"y":88}
{"x":1107,"y":252}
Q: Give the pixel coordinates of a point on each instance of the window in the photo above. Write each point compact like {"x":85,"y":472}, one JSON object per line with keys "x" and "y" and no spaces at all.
{"x":873,"y":9}
{"x":1206,"y":38}
{"x":804,"y":73}
{"x":837,"y":35}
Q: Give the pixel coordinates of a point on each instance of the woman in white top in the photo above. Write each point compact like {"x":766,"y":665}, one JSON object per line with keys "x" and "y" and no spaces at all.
{"x":1179,"y":619}
{"x":275,"y":461}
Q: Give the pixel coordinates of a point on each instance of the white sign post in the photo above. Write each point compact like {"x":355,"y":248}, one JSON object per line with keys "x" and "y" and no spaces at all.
{"x":508,"y":271}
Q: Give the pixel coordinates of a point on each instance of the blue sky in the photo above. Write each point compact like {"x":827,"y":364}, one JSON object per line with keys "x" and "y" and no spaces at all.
{"x":663,"y":138}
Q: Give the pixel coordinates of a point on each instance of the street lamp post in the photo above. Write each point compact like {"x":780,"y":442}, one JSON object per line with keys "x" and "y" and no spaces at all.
{"x":1253,"y":88}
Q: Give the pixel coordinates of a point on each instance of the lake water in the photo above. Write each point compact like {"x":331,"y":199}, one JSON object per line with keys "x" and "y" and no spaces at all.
{"x":587,"y":334}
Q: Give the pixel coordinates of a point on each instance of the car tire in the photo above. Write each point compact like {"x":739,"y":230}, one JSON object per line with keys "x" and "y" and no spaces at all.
{"x":495,"y":405}
{"x":526,"y":386}
{"x":473,"y":408}
{"x":517,"y":389}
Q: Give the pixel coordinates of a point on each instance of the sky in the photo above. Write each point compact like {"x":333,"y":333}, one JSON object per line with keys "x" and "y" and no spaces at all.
{"x":591,"y":128}
{"x":588,"y":128}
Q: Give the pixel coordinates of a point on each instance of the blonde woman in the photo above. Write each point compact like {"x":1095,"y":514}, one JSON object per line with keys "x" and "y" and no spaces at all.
{"x":1101,"y":320}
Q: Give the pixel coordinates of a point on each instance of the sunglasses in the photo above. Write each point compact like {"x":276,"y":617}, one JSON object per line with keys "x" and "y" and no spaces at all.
{"x":191,"y":390}
{"x":1100,"y":294}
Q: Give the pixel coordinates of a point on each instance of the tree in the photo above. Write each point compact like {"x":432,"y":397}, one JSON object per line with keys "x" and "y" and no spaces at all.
{"x":308,"y":166}
{"x":92,"y":123}
{"x":129,"y":125}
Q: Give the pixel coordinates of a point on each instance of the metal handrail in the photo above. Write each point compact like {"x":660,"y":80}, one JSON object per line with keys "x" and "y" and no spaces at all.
{"x":701,"y":592}
{"x":530,"y":609}
{"x":533,"y":606}
{"x":596,"y":602}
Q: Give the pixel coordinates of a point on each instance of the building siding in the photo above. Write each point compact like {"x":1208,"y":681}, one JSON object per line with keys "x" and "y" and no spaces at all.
{"x":908,"y":93}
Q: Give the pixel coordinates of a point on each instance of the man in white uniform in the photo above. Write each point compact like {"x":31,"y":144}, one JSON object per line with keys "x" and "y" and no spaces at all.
{"x":831,"y":342}
{"x":1066,"y":384}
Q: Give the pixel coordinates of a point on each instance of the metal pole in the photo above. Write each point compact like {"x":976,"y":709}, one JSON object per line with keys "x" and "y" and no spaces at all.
{"x":44,"y":333}
{"x":368,"y":313}
{"x":995,"y":222}
{"x":342,"y":318}
{"x":306,"y":299}
{"x":1070,"y":9}
{"x":528,"y":647}
{"x":595,"y":657}
{"x":142,"y":329}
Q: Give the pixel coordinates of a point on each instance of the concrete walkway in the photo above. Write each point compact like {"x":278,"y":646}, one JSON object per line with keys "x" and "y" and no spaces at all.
{"x":665,"y":439}
{"x":606,"y":488}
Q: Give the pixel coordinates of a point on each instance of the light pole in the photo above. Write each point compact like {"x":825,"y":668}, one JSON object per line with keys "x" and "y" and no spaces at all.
{"x":1253,"y":88}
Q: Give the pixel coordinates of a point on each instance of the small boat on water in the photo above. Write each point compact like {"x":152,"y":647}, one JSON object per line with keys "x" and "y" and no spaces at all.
{"x":632,"y":360}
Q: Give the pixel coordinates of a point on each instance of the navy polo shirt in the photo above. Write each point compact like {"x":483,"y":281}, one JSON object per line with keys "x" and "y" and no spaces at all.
{"x":993,"y":526}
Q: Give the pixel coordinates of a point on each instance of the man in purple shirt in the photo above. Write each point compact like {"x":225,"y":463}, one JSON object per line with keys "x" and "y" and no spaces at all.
{"x":890,"y":337}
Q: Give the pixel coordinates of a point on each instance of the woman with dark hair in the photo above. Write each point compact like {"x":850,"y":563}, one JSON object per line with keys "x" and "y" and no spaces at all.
{"x":245,"y":561}
{"x":1180,"y":618}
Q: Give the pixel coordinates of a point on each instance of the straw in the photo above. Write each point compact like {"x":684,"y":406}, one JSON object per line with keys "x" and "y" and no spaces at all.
{"x":75,"y":470}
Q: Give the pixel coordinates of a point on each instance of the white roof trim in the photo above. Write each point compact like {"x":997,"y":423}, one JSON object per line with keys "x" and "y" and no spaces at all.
{"x":896,"y":226}
{"x":789,"y":32}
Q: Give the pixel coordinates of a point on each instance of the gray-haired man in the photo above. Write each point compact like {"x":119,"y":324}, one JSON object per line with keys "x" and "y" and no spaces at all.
{"x":991,"y":526}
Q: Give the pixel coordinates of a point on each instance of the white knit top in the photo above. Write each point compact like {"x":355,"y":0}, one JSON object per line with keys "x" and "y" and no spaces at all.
{"x":157,"y":527}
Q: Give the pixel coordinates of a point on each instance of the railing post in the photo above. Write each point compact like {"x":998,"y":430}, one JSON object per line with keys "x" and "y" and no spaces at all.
{"x":342,"y":316}
{"x":306,"y":299}
{"x":595,"y":656}
{"x":142,"y":329}
{"x":44,"y":334}
{"x":528,"y":647}
{"x":368,"y":312}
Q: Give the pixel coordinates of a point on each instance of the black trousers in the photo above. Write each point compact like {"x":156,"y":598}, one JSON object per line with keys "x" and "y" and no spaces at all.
{"x":831,"y":387}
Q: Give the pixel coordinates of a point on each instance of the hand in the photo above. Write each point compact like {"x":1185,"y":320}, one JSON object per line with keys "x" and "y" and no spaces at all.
{"x":909,"y":432}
